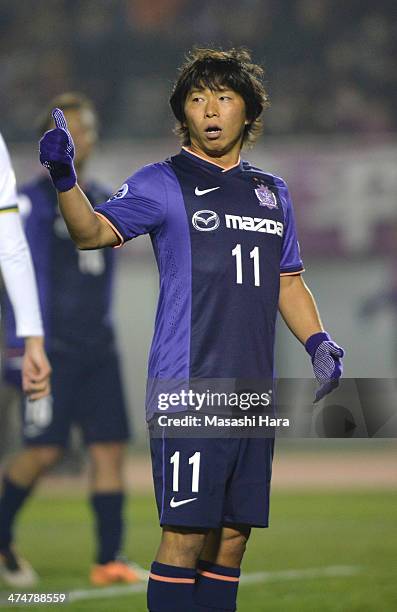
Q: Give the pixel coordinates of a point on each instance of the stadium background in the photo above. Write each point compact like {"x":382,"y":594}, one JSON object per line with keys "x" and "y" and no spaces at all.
{"x":331,"y":132}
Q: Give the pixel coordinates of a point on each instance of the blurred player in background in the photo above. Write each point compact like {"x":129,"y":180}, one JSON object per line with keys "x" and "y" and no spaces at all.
{"x":224,"y":237}
{"x":383,"y":300}
{"x":18,"y":274}
{"x":75,"y":290}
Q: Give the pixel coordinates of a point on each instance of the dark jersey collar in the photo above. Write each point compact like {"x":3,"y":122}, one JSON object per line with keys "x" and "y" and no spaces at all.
{"x":212,"y":166}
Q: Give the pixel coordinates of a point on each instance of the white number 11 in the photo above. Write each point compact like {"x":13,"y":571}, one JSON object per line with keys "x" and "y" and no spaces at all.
{"x":193,"y":460}
{"x":254,"y":254}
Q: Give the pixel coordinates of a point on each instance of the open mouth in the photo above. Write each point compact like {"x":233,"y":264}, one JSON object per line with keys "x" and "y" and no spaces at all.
{"x":213,"y":131}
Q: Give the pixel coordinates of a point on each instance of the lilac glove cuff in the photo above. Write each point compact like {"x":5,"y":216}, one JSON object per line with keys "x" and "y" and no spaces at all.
{"x":314,"y":341}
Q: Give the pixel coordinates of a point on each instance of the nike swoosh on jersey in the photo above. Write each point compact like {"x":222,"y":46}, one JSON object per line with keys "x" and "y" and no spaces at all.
{"x":200,"y":192}
{"x":175,"y":504}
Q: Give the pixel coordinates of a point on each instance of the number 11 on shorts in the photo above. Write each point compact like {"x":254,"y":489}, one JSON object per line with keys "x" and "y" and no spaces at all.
{"x":194,"y":460}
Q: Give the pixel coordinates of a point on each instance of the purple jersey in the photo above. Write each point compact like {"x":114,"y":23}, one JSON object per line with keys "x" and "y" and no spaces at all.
{"x":221,"y":240}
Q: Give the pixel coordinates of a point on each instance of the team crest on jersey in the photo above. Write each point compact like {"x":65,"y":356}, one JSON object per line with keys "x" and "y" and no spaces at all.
{"x":265,"y":196}
{"x":120,"y":193}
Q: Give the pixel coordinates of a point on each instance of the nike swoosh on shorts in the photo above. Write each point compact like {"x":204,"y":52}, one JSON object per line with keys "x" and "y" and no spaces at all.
{"x":175,"y":504}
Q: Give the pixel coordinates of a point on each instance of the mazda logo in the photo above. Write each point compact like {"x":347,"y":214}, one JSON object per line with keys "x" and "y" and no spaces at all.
{"x":205,"y":220}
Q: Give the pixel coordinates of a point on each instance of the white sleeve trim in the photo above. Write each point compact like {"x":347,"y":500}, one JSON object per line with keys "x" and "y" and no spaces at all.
{"x":8,"y":195}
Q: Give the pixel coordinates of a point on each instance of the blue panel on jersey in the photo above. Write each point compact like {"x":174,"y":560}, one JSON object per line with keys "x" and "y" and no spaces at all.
{"x":170,"y":351}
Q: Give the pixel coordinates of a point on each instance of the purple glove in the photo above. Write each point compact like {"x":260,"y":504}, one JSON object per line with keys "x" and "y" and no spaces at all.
{"x":326,"y":359}
{"x":57,"y":153}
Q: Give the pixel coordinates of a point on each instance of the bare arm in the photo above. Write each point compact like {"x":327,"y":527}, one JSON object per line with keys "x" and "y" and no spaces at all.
{"x":298,"y":308}
{"x":86,"y":229}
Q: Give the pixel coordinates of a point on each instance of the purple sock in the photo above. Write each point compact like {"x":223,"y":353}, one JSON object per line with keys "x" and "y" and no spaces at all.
{"x":216,"y":587}
{"x":12,"y":498}
{"x":170,"y":588}
{"x":109,"y":524}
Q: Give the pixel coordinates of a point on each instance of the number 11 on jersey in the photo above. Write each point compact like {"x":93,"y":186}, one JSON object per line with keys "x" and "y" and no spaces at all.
{"x":254,"y":254}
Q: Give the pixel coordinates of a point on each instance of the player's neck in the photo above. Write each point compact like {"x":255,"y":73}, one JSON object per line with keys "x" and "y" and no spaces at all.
{"x":226,"y":161}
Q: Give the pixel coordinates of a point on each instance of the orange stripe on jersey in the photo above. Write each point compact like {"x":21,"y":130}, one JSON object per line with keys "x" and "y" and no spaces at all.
{"x":174,"y":580}
{"x":116,"y":231}
{"x":218,"y":576}
{"x":292,"y":273}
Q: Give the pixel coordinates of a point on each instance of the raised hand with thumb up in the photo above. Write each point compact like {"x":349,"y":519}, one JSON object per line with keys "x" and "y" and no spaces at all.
{"x":57,"y":153}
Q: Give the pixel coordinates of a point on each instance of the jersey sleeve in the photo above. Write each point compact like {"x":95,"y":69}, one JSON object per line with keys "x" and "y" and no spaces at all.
{"x":8,"y":196}
{"x":15,"y":259}
{"x":139,"y":206}
{"x":291,"y":262}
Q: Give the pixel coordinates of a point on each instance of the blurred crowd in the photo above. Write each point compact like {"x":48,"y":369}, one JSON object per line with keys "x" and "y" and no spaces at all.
{"x":330,"y":64}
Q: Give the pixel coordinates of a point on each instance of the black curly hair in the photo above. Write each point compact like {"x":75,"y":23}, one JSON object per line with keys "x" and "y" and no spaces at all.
{"x":216,"y":69}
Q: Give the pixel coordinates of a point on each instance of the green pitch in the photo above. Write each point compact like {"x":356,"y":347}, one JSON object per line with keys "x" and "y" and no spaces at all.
{"x":309,"y":532}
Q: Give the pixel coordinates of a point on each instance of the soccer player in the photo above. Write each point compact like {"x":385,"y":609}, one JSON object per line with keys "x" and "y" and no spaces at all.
{"x":75,"y":292}
{"x":224,"y":237}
